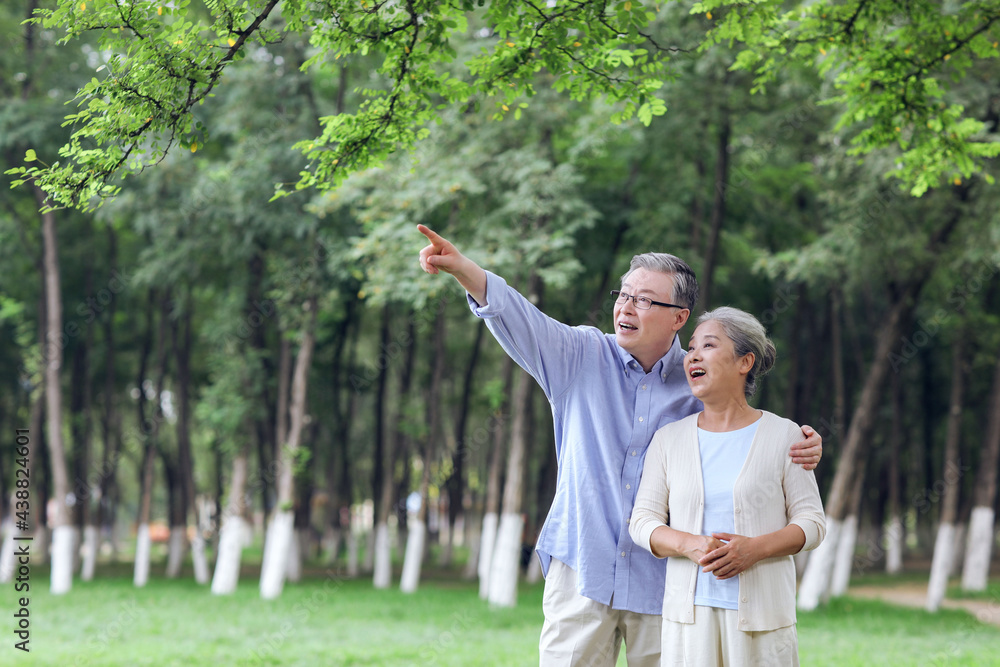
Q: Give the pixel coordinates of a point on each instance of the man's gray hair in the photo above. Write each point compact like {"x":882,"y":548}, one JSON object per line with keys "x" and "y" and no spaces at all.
{"x":748,"y":335}
{"x":685,"y":284}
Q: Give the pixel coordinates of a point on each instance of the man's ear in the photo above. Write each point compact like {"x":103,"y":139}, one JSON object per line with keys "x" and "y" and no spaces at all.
{"x":681,"y":318}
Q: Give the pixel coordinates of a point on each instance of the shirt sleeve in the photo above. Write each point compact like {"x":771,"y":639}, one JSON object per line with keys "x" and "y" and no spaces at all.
{"x":652,"y":499}
{"x":552,"y":352}
{"x":803,"y":505}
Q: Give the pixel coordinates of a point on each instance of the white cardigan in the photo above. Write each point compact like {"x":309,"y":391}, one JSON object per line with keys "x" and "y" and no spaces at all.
{"x":770,"y":493}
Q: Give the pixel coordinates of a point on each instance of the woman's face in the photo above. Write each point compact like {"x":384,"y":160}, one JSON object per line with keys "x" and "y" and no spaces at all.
{"x":713,"y":370}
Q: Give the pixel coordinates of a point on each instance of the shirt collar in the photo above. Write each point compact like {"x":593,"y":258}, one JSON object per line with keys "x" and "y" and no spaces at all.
{"x":663,"y":367}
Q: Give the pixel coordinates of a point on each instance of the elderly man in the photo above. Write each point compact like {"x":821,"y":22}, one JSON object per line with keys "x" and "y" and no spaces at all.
{"x":609,"y":394}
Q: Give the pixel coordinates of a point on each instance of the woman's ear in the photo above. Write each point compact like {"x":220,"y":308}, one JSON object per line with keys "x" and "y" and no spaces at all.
{"x":746,"y":363}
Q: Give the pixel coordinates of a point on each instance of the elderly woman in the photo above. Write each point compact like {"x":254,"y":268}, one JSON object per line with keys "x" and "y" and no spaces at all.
{"x":721,"y":499}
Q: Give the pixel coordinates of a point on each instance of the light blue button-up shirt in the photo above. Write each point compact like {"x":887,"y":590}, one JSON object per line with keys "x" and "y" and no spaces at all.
{"x":605,"y":409}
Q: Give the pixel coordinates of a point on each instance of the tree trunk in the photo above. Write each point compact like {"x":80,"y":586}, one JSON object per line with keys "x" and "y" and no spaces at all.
{"x":334,"y":528}
{"x":794,"y":363}
{"x":176,"y":515}
{"x":81,"y":430}
{"x":473,"y":537}
{"x":455,"y":484}
{"x":979,"y":543}
{"x":182,"y":352}
{"x":266,"y":420}
{"x":382,"y":467}
{"x":817,"y":576}
{"x":105,"y":519}
{"x":718,"y":207}
{"x":848,"y":540}
{"x":280,"y":416}
{"x":492,"y":508}
{"x":894,"y":529}
{"x":227,"y":564}
{"x":305,"y":488}
{"x":506,"y":564}
{"x":150,"y":431}
{"x":417,"y":525}
{"x":944,"y":547}
{"x":505,"y":567}
{"x":277,"y":544}
{"x":62,"y":529}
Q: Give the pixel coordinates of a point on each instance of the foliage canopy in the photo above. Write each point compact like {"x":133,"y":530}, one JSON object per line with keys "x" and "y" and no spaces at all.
{"x":889,"y":67}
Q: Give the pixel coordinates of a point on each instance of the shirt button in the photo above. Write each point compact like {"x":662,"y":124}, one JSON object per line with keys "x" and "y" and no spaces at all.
{"x":628,"y":519}
{"x":633,"y":452}
{"x":737,"y":510}
{"x":628,"y":486}
{"x":640,"y":418}
{"x":743,"y":621}
{"x":644,"y":387}
{"x":744,"y":599}
{"x":623,"y":554}
{"x":664,"y":376}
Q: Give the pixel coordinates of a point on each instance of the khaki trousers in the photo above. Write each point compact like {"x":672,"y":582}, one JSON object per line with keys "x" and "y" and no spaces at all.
{"x":713,"y":640}
{"x":580,"y":632}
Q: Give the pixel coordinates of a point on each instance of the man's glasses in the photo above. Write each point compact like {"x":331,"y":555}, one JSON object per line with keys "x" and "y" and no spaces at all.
{"x":641,"y":302}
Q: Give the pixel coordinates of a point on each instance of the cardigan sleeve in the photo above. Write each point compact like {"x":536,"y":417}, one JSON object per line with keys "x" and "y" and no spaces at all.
{"x":803,"y":505}
{"x":651,"y":501}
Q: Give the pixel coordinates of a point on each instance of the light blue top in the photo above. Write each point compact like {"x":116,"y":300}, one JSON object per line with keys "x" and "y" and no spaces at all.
{"x":605,"y":409}
{"x":722,"y":458}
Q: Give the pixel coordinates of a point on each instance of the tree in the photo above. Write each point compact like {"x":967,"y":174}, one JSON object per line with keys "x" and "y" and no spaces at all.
{"x":891,"y":73}
{"x":891,"y":68}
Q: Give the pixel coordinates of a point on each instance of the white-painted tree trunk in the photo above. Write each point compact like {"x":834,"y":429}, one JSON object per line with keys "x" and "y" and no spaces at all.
{"x":198,"y":558}
{"x":227,"y":564}
{"x":293,"y":567}
{"x":474,"y":540}
{"x":978,"y":548}
{"x":894,"y":539}
{"x":7,"y":560}
{"x":958,"y":553}
{"x":62,"y":559}
{"x":277,"y":545}
{"x":414,"y":558}
{"x":90,"y":544}
{"x":142,"y":549}
{"x":944,"y":548}
{"x":816,"y":580}
{"x":382,"y":577}
{"x":506,"y":563}
{"x":175,"y":551}
{"x":352,"y":554}
{"x":488,"y":543}
{"x":534,"y":569}
{"x":844,"y":562}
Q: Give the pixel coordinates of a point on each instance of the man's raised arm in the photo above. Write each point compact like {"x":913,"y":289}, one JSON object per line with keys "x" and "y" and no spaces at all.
{"x":441,"y":255}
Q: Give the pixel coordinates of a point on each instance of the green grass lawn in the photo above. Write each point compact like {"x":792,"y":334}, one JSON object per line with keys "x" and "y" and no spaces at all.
{"x":327,"y":620}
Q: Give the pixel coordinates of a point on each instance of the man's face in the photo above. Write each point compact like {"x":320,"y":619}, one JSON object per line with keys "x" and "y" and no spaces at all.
{"x":647,"y":334}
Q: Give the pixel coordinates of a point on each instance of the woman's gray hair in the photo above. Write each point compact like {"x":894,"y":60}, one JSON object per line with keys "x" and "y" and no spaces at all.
{"x":748,"y":335}
{"x":685,"y":284}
